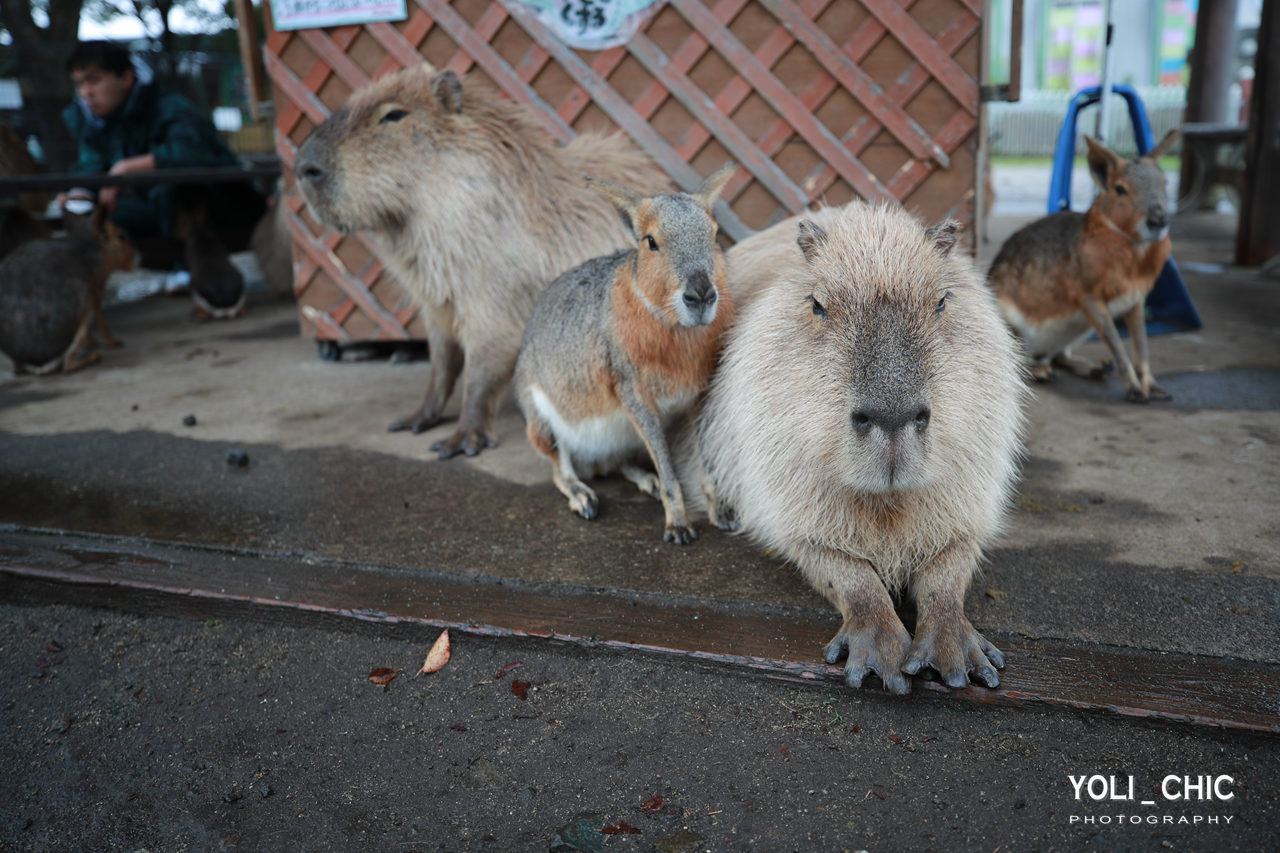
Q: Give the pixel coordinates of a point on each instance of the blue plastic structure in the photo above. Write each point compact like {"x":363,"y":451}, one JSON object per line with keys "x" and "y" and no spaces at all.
{"x":1169,"y":305}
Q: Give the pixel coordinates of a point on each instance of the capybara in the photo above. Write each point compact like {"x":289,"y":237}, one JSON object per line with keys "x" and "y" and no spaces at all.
{"x":865,"y":422}
{"x":1069,"y":274}
{"x":621,"y":346}
{"x":50,"y":291}
{"x":217,"y":285}
{"x":479,"y":210}
{"x":273,"y":247}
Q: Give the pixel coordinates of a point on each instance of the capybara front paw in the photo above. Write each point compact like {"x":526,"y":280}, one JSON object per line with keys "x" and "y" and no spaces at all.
{"x":873,"y":648}
{"x":1136,"y":395}
{"x":1158,"y":394}
{"x":681,"y":534}
{"x":725,"y":517}
{"x":419,"y":421}
{"x":956,"y":652}
{"x":468,"y":441}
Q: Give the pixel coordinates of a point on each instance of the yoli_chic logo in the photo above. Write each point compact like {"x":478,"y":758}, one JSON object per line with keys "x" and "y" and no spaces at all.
{"x":1173,"y":788}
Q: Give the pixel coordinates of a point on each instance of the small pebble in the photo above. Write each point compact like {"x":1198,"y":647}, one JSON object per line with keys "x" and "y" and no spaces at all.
{"x":230,"y":796}
{"x":239,"y":458}
{"x":266,"y":790}
{"x":189,"y":420}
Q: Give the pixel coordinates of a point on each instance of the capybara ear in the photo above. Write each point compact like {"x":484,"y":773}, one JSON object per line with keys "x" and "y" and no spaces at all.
{"x":810,"y":238}
{"x":709,"y":190}
{"x":944,"y":235}
{"x":1165,"y":144}
{"x":626,"y":201}
{"x":447,"y":89}
{"x":1103,"y":162}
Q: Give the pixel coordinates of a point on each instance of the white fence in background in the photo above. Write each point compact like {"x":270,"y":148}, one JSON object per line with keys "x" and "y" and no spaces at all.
{"x":1029,"y":128}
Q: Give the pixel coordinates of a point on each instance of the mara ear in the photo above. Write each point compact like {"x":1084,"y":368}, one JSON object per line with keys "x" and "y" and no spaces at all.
{"x":98,"y":219}
{"x":1103,"y":162}
{"x":944,"y":235}
{"x":447,"y":90}
{"x":709,"y":190}
{"x":811,"y":236}
{"x":1165,"y":144}
{"x":626,"y":201}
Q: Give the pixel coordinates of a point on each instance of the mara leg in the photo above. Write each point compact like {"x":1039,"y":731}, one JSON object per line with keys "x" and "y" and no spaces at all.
{"x":1106,"y":329}
{"x":872,"y":635}
{"x":1136,"y":320}
{"x":80,"y":353}
{"x":646,"y":481}
{"x":1089,"y":368}
{"x":582,"y":500}
{"x":107,"y":338}
{"x":446,"y":363}
{"x":649,"y":425}
{"x":945,"y":640}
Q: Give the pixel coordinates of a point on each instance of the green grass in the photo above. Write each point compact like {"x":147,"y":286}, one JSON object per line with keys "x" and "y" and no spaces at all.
{"x":1169,"y":164}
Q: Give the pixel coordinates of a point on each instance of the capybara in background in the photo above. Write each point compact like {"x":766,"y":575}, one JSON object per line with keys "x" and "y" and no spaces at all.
{"x":480,"y":211}
{"x":273,"y":248}
{"x":621,"y":346}
{"x":1069,"y":274}
{"x":50,"y":290}
{"x":865,"y":422}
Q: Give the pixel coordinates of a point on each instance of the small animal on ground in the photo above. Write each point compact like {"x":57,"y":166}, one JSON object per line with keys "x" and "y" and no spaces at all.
{"x":865,"y":423}
{"x":51,"y":290}
{"x":1069,"y":274}
{"x":217,"y":285}
{"x":479,"y":210}
{"x":620,"y":347}
{"x":273,"y":248}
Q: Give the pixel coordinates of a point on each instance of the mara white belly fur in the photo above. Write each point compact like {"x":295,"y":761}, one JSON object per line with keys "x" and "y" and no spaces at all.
{"x":603,"y":441}
{"x":1048,"y":338}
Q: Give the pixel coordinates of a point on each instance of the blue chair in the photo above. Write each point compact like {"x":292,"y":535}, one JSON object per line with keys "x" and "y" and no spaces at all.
{"x":1169,"y":305}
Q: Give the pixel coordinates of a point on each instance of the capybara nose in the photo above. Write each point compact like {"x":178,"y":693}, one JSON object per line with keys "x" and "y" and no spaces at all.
{"x":891,"y":421}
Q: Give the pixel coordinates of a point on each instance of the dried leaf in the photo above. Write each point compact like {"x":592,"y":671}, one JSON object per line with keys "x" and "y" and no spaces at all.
{"x":505,"y":669}
{"x":654,"y":804}
{"x":620,"y":828}
{"x":521,"y":688}
{"x":438,"y":656}
{"x":895,"y":738}
{"x":54,"y":646}
{"x":783,"y":750}
{"x":382,"y":675}
{"x":458,"y":727}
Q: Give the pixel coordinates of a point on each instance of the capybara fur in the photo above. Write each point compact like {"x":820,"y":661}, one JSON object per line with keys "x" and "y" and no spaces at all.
{"x":51,"y":290}
{"x":865,"y":422}
{"x":620,"y":347}
{"x":1069,"y":274}
{"x":479,"y":210}
{"x":273,"y":248}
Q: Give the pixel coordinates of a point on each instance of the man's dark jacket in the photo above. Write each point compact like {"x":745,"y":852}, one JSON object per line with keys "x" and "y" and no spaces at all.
{"x":163,"y":124}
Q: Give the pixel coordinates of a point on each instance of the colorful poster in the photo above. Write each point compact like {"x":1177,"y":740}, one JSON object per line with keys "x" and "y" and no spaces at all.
{"x":1177,"y":31}
{"x":1076,"y":34}
{"x":303,"y":14}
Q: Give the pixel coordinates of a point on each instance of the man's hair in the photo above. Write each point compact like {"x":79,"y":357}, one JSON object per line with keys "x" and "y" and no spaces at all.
{"x":105,"y":55}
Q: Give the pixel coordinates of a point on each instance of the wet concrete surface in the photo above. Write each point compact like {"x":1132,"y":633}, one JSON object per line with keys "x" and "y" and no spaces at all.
{"x":159,"y":734}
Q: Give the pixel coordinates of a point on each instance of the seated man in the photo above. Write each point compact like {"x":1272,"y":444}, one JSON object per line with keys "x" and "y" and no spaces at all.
{"x":125,"y":123}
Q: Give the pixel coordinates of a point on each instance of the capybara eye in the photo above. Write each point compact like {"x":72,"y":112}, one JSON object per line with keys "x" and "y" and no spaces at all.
{"x":818,"y":310}
{"x":1121,"y":190}
{"x":942,"y":303}
{"x":922,"y":419}
{"x":653,"y":244}
{"x":394,"y":115}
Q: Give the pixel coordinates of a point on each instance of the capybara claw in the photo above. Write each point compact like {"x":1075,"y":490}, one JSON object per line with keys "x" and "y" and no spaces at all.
{"x":417,"y":422}
{"x":871,"y":649}
{"x":470,"y":442}
{"x":680,"y":534}
{"x":958,"y":653}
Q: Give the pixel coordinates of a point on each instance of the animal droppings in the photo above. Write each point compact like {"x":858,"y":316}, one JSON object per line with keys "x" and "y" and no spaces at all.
{"x":238,"y":458}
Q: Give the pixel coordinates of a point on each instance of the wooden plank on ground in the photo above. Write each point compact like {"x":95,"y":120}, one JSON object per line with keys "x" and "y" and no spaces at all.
{"x":153,"y":577}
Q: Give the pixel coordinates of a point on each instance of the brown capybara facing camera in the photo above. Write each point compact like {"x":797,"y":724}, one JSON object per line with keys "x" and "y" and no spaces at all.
{"x":865,"y":422}
{"x":479,"y":209}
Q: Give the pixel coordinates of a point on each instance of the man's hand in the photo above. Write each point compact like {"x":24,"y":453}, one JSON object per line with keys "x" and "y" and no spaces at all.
{"x":141,"y":163}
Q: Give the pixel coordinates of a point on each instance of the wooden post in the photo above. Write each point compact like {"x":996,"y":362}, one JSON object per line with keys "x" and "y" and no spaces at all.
{"x":1258,"y":237}
{"x":1212,"y":60}
{"x":251,"y":56}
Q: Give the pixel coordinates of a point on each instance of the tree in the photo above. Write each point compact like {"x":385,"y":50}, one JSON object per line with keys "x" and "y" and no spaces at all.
{"x":155,"y":14}
{"x":40,"y":35}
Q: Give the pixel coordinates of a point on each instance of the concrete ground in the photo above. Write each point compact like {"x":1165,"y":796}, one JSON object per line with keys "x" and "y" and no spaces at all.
{"x":1149,"y":527}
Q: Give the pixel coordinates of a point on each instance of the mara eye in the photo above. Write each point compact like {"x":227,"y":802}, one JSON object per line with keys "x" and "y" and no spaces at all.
{"x":1121,"y":190}
{"x":818,"y":310}
{"x":394,"y":115}
{"x":942,"y":303}
{"x":653,"y":244}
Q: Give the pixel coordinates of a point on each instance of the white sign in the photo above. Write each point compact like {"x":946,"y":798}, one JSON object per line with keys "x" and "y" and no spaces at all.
{"x":592,"y":24}
{"x":301,"y":14}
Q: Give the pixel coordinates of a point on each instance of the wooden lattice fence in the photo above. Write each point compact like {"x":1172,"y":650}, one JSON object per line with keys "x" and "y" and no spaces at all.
{"x":818,"y":100}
